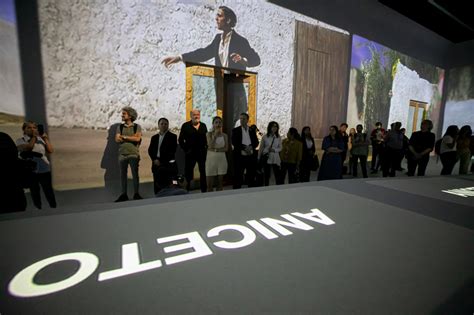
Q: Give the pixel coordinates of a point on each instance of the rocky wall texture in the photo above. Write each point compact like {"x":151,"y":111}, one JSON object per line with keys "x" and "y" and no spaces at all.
{"x":407,"y":85}
{"x":101,"y":55}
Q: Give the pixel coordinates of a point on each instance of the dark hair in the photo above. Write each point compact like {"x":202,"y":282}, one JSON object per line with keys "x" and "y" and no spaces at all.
{"x":269,"y":128}
{"x":294,"y":133}
{"x":215,"y":118}
{"x":229,"y":14}
{"x":360,"y":125}
{"x":133,"y":113}
{"x":429,"y":122}
{"x":465,"y":131}
{"x":378,"y":123}
{"x":344,"y":124}
{"x":303,"y":134}
{"x":163,"y":118}
{"x":245,"y":114}
{"x":338,"y":135}
{"x":452,"y":131}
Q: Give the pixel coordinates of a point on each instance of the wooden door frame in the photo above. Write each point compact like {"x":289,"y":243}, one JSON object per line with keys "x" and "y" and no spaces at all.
{"x":218,"y":74}
{"x":424,"y":105}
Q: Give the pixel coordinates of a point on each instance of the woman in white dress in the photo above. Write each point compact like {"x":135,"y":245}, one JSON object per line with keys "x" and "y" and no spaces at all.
{"x":216,"y":161}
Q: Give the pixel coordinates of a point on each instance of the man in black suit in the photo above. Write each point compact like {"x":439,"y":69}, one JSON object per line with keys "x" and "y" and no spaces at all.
{"x":245,"y":143}
{"x":162,"y":151}
{"x":193,"y":141}
{"x":228,"y":49}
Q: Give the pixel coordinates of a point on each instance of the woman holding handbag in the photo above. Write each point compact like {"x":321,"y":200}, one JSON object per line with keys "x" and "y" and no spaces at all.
{"x":269,"y":153}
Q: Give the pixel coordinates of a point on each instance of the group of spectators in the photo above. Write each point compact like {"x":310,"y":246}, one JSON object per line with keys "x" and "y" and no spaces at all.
{"x":255,"y":157}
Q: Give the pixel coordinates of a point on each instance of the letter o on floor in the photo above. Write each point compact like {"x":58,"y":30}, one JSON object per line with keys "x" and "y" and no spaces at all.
{"x":22,"y":285}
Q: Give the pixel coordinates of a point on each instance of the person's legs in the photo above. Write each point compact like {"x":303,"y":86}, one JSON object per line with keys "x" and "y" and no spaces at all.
{"x":277,"y":173}
{"x":238,"y":172}
{"x":282,"y":175}
{"x":251,"y":170}
{"x":375,"y":153}
{"x":291,"y":174}
{"x":448,"y":160}
{"x":123,"y":174}
{"x":47,"y":184}
{"x":422,"y":164}
{"x":266,"y":171}
{"x":363,"y":165}
{"x":35,"y":190}
{"x":220,"y":183}
{"x":355,"y":161}
{"x":464,"y":160}
{"x":154,"y":171}
{"x":411,"y":164}
{"x":305,"y":171}
{"x":394,"y":160}
{"x":210,"y":183}
{"x":189,"y":163}
{"x":202,"y":173}
{"x":134,"y":164}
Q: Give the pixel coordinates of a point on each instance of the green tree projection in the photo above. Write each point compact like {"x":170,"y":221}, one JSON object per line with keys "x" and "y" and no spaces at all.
{"x":378,"y":78}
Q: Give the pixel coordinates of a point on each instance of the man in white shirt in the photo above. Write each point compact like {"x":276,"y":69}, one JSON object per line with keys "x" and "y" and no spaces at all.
{"x":245,"y":143}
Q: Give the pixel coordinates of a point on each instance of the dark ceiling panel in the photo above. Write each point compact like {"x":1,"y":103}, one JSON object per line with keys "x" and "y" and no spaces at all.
{"x":451,"y":19}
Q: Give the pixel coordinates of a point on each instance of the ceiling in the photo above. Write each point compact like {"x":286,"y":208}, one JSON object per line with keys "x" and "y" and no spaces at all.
{"x":452,"y":20}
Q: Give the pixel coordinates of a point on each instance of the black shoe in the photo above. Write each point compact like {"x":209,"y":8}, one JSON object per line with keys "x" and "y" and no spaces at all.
{"x":123,"y":197}
{"x":137,"y":197}
{"x":374,"y":172}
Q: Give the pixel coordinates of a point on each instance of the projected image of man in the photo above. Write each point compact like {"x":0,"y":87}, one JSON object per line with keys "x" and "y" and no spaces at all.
{"x":229,"y":49}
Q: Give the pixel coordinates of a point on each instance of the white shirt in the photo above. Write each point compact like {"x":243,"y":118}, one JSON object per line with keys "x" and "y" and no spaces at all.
{"x":42,"y":163}
{"x":444,"y":148}
{"x":160,"y":141}
{"x":275,"y":144}
{"x":309,"y":143}
{"x":246,"y":137}
{"x":224,"y":49}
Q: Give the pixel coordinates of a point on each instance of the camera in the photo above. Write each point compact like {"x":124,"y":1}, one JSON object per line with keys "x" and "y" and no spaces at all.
{"x":40,"y":129}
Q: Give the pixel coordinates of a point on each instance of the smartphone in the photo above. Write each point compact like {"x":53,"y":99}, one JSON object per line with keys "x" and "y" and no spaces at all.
{"x":40,"y":129}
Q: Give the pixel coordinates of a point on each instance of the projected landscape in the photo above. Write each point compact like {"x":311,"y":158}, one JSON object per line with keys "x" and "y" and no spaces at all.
{"x":388,"y":86}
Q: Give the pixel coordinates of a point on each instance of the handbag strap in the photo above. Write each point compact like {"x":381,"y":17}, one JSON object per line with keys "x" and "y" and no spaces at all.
{"x":271,"y":145}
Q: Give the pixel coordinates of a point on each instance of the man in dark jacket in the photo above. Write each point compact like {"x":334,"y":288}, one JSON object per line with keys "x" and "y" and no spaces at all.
{"x":245,"y":143}
{"x":162,"y":151}
{"x":228,"y":49}
{"x":193,"y":141}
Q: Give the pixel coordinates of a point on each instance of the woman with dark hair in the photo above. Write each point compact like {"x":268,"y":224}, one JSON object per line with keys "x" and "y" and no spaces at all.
{"x":269,"y":153}
{"x":309,"y":150}
{"x":448,"y":153}
{"x":419,"y":147}
{"x":291,"y":154}
{"x":331,"y":163}
{"x":463,"y":148}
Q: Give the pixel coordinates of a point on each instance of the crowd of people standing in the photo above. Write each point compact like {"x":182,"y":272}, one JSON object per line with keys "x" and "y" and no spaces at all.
{"x":255,"y":157}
